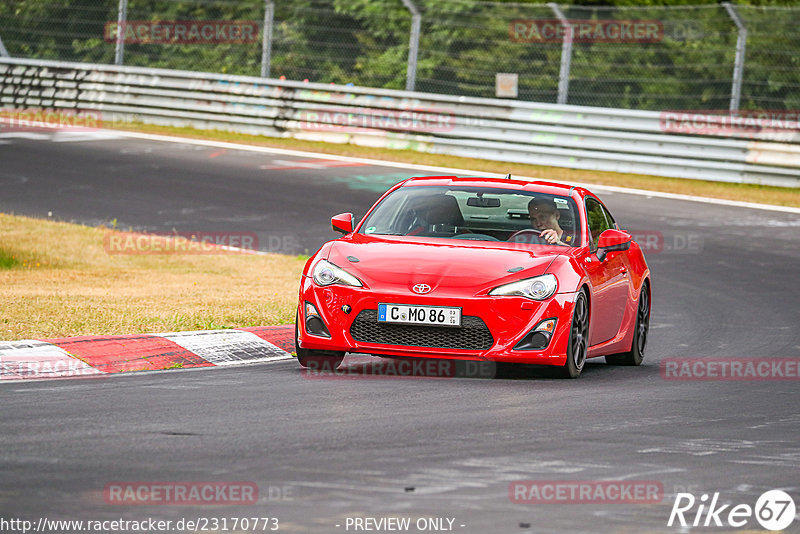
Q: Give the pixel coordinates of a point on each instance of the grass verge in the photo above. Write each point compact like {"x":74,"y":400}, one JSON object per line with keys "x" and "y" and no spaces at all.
{"x":56,"y":280}
{"x":780,"y":196}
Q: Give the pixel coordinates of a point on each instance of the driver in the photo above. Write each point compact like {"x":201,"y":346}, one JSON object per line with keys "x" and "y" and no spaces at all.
{"x":544,"y":217}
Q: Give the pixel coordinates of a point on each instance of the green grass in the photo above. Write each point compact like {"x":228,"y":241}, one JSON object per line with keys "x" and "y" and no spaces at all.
{"x":7,"y":260}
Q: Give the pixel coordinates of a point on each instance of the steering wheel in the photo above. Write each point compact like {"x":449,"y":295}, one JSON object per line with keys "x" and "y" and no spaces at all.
{"x":528,"y":235}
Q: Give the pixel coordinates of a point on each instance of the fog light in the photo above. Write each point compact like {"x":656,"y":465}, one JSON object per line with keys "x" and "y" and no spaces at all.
{"x":314,"y":324}
{"x":539,"y":337}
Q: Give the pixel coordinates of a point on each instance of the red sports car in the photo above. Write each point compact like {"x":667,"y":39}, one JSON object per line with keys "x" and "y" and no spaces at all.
{"x":496,"y":270}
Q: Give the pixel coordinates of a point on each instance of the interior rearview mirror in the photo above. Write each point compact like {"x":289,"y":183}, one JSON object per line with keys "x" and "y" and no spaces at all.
{"x":483,"y":202}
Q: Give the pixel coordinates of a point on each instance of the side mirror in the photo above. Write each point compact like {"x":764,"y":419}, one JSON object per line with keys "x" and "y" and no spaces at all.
{"x":342,"y":223}
{"x":611,"y":241}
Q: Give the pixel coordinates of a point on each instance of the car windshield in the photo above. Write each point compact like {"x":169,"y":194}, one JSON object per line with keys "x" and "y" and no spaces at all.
{"x":475,"y":213}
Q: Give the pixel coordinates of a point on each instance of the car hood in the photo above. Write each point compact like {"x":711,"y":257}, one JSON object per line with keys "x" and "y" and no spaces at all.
{"x":397,"y":264}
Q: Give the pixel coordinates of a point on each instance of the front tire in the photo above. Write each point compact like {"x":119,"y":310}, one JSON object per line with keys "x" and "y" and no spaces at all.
{"x":317,"y":360}
{"x":578,"y":338}
{"x":636,"y":354}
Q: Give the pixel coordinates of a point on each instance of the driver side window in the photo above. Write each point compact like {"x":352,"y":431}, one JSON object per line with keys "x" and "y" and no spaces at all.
{"x":596,"y":217}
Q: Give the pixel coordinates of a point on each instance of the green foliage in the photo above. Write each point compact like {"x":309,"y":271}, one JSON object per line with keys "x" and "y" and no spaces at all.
{"x":463,"y":45}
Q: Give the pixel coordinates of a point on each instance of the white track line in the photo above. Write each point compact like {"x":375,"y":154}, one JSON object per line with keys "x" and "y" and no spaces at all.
{"x":449,"y":171}
{"x":78,"y":136}
{"x":26,"y":135}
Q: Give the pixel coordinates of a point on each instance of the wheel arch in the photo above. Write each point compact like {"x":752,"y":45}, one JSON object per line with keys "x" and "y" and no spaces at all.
{"x":646,"y":283}
{"x":585,"y":288}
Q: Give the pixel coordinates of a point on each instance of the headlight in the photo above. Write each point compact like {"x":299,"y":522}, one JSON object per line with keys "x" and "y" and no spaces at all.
{"x":536,"y":288}
{"x":325,"y":273}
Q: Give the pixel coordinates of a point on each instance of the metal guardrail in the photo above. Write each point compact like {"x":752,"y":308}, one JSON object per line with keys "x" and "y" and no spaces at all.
{"x":579,"y":137}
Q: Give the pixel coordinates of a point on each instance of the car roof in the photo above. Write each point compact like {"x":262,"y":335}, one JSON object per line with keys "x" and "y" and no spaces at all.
{"x":539,"y":186}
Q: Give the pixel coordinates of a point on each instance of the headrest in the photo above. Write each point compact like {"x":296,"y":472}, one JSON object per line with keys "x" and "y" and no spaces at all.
{"x":441,"y":209}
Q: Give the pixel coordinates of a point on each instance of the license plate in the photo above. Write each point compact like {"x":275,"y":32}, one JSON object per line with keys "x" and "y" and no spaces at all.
{"x":428,"y":315}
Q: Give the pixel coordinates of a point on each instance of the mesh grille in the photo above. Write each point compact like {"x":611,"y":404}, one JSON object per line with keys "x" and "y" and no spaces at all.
{"x":472,"y":335}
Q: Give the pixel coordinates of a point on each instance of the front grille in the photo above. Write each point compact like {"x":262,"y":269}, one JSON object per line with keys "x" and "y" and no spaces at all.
{"x":472,"y":335}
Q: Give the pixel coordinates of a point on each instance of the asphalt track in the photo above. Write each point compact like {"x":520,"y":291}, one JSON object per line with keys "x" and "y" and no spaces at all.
{"x":325,"y":449}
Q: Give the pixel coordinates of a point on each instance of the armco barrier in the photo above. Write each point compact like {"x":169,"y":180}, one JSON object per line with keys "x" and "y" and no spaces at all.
{"x":542,"y":134}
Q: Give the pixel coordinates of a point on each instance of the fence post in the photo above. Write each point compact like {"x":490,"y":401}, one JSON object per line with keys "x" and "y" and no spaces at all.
{"x":738,"y":66}
{"x":3,"y":51}
{"x":122,"y":17}
{"x":566,"y":54}
{"x":266,"y":38}
{"x":413,"y":45}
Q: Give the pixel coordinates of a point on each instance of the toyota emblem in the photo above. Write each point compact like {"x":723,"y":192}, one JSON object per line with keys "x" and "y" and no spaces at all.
{"x":421,"y":289}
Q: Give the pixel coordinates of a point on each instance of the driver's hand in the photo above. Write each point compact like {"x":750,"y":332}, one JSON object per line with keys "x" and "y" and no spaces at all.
{"x":550,"y":236}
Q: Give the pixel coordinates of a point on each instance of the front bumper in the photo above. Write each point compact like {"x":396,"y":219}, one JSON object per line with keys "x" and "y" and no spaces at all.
{"x":505,"y":320}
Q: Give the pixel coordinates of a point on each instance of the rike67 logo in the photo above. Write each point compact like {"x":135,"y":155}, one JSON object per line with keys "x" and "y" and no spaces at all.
{"x":774,"y":510}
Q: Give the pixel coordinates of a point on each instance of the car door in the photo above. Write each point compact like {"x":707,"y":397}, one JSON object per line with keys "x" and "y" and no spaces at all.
{"x":609,"y":278}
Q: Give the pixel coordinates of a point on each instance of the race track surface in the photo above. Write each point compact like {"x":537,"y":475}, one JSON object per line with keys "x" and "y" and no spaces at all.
{"x":325,"y":449}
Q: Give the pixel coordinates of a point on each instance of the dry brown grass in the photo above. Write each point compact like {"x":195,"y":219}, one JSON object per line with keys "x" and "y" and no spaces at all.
{"x":780,"y":196}
{"x":57,"y":280}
